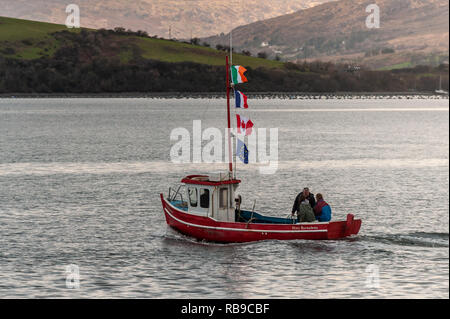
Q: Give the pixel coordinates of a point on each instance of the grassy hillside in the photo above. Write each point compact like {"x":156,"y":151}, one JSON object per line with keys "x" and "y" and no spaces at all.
{"x":25,"y":39}
{"x":170,"y":51}
{"x":16,"y":30}
{"x":39,"y":57}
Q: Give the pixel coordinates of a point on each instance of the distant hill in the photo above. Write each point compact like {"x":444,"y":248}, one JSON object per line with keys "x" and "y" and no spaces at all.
{"x":40,"y":57}
{"x":24,"y":39}
{"x":411,"y":32}
{"x":198,"y":18}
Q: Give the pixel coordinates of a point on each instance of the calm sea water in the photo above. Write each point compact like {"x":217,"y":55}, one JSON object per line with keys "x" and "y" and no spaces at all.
{"x":80,"y":182}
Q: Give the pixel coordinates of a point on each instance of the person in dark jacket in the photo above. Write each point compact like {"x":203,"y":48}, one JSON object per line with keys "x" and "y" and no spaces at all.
{"x":308,"y":196}
{"x":305,"y":212}
{"x":322,"y":210}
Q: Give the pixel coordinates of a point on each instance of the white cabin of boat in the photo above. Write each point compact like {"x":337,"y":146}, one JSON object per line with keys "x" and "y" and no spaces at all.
{"x":211,"y":196}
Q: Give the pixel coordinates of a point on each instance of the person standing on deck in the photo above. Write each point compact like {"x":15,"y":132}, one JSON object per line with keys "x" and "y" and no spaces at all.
{"x":303,"y":205}
{"x":308,"y":196}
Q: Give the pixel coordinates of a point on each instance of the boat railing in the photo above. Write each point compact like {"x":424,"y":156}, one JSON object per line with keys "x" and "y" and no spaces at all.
{"x":173,"y":194}
{"x":292,"y":218}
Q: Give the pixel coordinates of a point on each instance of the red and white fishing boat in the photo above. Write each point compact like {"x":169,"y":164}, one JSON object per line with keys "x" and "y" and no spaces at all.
{"x":209,"y":211}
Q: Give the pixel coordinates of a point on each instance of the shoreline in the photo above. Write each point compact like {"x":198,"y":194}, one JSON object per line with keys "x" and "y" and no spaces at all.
{"x":219,"y":95}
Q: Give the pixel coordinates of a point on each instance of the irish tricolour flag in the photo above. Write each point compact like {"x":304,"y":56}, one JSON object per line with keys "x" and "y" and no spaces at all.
{"x":237,"y":74}
{"x":241,"y":99}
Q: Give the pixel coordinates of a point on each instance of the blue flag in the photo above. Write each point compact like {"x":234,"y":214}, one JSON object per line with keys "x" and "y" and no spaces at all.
{"x":242,"y":151}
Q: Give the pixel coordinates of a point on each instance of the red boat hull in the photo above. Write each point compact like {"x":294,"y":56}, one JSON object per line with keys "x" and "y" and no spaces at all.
{"x":206,"y":228}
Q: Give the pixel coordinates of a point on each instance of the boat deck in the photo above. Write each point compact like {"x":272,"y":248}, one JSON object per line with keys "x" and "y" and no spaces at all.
{"x":179,"y":204}
{"x":244,"y":216}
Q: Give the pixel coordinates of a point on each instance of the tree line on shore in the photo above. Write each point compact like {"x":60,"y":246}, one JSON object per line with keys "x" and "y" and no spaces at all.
{"x":91,"y":62}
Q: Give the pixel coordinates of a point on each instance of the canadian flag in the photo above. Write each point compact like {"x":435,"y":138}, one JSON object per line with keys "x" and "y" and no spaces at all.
{"x":244,"y":125}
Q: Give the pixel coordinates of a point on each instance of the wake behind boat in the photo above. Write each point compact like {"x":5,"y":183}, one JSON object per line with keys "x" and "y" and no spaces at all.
{"x":210,"y":211}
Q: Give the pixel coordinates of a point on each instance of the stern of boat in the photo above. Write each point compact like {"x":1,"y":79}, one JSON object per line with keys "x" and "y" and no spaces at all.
{"x":341,"y":229}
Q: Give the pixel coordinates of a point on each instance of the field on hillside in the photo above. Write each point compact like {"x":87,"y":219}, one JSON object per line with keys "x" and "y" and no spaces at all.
{"x":25,"y":39}
{"x":40,"y":57}
{"x":15,"y":29}
{"x":171,"y":51}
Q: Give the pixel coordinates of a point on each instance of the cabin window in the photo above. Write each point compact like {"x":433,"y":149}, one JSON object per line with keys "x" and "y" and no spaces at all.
{"x":223,"y":198}
{"x":204,"y":198}
{"x":193,"y":196}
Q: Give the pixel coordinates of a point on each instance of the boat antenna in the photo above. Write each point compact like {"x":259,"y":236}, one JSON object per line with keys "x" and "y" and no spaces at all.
{"x":231,"y":47}
{"x":230,"y":154}
{"x":235,"y":139}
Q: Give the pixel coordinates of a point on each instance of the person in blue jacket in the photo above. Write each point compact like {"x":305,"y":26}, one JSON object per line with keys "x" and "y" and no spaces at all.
{"x":322,"y":210}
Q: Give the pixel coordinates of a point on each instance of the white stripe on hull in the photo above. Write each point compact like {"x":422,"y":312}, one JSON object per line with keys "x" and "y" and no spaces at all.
{"x":245,"y":230}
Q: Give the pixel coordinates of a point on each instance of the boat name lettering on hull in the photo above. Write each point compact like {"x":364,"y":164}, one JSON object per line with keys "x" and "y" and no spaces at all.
{"x":305,"y":228}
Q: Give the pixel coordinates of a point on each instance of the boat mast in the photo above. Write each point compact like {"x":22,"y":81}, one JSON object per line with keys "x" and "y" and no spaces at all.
{"x":230,"y":155}
{"x":231,"y":47}
{"x":235,"y":142}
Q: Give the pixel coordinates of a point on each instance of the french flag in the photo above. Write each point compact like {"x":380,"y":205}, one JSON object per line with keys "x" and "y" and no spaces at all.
{"x":244,"y":125}
{"x":241,"y":99}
